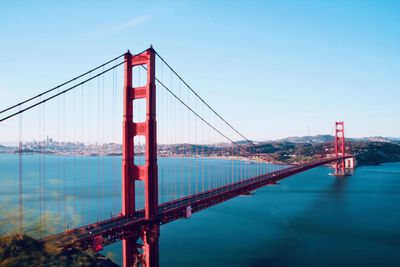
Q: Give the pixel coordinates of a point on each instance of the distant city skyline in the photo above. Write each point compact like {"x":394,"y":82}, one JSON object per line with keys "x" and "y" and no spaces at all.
{"x":288,"y":138}
{"x":273,"y":69}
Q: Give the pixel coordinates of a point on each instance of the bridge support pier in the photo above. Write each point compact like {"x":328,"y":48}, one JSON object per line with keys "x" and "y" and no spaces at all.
{"x":339,"y":149}
{"x":147,"y":173}
{"x":147,"y":254}
{"x":129,"y":251}
{"x":151,"y":245}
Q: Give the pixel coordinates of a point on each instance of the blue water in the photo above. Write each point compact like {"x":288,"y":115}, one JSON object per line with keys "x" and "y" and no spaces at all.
{"x":310,"y":219}
{"x":63,"y":192}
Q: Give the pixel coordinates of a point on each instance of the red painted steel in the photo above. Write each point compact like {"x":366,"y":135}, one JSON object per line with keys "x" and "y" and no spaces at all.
{"x":128,"y":183}
{"x":133,"y":224}
{"x":148,"y":173}
{"x":339,"y":148}
{"x":98,"y":243}
{"x":116,"y":229}
{"x":151,"y":244}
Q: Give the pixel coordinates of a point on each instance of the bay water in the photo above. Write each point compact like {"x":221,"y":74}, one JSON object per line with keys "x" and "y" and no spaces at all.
{"x":309,"y":219}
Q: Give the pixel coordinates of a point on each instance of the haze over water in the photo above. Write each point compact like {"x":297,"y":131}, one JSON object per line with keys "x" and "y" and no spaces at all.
{"x":310,"y":219}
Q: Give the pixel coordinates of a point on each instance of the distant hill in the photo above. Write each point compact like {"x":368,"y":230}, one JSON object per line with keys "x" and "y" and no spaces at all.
{"x":329,"y":138}
{"x":304,"y":148}
{"x":375,"y":153}
{"x":5,"y":149}
{"x":382,"y":139}
{"x":368,"y":150}
{"x":308,"y":139}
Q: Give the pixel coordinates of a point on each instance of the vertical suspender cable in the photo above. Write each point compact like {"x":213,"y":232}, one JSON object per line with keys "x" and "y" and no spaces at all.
{"x":44,"y":166}
{"x":203,"y":155}
{"x":40,"y":172}
{"x":113,"y":144}
{"x":103,"y":148}
{"x":75,"y":189}
{"x":189,"y":148}
{"x":58,"y":165}
{"x":98,"y":182}
{"x":20,"y":174}
{"x":64,"y":169}
{"x":181,"y":141}
{"x":196,"y":153}
{"x":82,"y":178}
{"x":88,"y":165}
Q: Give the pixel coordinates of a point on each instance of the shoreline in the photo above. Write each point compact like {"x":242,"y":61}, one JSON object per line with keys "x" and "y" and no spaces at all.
{"x":238,"y":158}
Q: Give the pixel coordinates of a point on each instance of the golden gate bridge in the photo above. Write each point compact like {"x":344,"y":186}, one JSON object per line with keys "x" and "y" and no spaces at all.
{"x":162,"y":117}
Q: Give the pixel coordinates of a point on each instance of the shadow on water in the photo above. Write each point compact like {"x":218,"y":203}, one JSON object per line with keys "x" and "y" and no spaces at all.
{"x":325,"y":227}
{"x":300,"y":224}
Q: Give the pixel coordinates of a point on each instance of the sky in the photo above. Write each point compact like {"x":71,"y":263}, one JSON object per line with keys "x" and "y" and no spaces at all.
{"x":271,"y":68}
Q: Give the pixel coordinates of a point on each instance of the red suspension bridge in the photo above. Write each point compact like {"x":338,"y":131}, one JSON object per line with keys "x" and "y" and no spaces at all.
{"x":162,"y":118}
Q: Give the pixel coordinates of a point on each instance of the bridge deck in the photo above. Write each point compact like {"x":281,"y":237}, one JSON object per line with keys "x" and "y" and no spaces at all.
{"x":115,"y":229}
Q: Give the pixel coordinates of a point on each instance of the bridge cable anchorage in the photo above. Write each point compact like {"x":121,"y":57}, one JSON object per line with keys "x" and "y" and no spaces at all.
{"x":194,"y":92}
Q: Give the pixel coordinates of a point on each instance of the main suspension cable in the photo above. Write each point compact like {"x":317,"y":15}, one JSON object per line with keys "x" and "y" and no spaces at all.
{"x":66,"y":90}
{"x":60,"y":93}
{"x":202,"y":100}
{"x":61,"y":85}
{"x":197,"y":115}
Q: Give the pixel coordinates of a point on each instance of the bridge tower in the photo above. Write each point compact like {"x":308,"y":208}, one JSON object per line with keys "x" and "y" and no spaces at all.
{"x":339,"y":148}
{"x":147,"y":173}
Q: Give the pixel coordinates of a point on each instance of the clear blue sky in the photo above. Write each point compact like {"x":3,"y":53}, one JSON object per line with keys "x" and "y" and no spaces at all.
{"x":272,"y":68}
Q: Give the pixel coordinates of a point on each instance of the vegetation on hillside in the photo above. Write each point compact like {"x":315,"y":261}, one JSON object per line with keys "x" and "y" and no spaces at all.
{"x":297,"y":150}
{"x":375,"y":153}
{"x":366,"y":152}
{"x":23,"y":249}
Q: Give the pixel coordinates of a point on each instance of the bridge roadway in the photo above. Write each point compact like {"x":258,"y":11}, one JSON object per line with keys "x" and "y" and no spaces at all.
{"x":115,"y":229}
